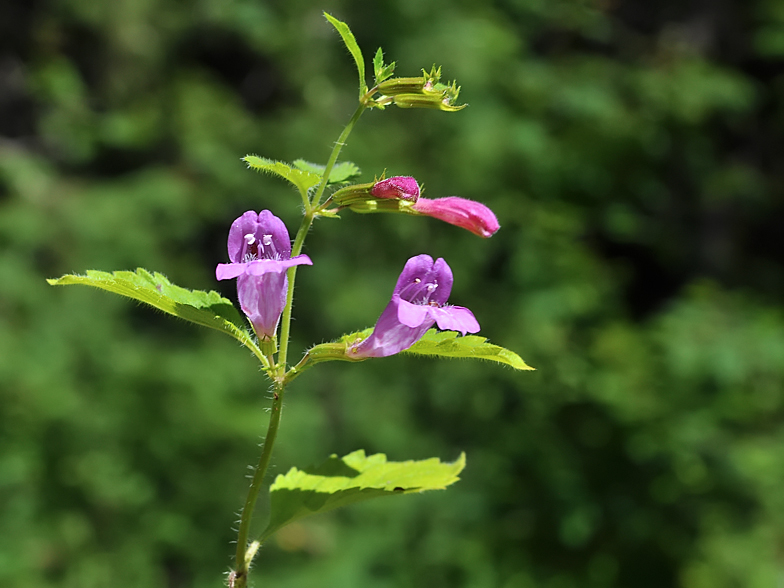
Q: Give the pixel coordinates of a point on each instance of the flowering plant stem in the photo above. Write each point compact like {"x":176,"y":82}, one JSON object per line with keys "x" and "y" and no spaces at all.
{"x":277,"y":372}
{"x":245,"y":554}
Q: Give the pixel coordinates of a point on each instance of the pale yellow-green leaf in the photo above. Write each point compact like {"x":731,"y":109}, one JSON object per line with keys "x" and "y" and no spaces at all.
{"x":209,"y":309}
{"x":341,"y":481}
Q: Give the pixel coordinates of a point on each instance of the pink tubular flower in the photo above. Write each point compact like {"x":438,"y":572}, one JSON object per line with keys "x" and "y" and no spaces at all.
{"x":468,"y":214}
{"x":418,"y":302}
{"x":260,"y":254}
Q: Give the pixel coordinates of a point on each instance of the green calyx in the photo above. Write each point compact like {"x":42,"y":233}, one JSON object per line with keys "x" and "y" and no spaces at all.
{"x":434,"y":102}
{"x":397,"y":86}
{"x":268,"y":346}
{"x":355,"y":193}
{"x":382,"y":205}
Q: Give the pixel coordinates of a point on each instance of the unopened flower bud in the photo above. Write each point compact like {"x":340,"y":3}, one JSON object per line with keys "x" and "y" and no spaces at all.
{"x":400,"y":187}
{"x":396,"y":86}
{"x":436,"y":101}
{"x":392,"y":189}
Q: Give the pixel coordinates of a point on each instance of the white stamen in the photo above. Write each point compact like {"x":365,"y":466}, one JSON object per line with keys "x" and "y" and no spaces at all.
{"x":430,"y":288}
{"x":266,"y":241}
{"x":250,"y":238}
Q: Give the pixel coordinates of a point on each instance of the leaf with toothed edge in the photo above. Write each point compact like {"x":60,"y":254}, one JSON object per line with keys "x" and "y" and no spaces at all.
{"x":341,"y":172}
{"x":208,"y":309}
{"x":450,"y":344}
{"x":303,"y":179}
{"x":381,"y":70}
{"x":434,"y":343}
{"x":356,"y":477}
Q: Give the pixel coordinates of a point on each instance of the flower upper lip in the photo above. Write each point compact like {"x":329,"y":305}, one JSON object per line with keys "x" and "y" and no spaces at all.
{"x":258,"y":244}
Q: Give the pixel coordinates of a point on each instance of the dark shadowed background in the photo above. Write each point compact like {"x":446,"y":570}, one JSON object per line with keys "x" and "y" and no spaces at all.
{"x":633,"y":154}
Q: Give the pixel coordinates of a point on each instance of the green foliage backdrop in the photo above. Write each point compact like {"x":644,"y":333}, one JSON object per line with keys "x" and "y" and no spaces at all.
{"x":633,"y":154}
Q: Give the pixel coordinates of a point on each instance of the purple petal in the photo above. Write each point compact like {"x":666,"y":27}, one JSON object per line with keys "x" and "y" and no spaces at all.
{"x":258,"y":226}
{"x":415,"y":268}
{"x":455,"y":318}
{"x":262,"y":299}
{"x":390,"y":336}
{"x":227,"y":271}
{"x":423,"y":280}
{"x":269,"y":224}
{"x":442,"y":275}
{"x":244,"y":225}
{"x":412,"y":315}
{"x":263,"y":266}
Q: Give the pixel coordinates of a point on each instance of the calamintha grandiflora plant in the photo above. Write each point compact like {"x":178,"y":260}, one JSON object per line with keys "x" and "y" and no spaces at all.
{"x":264,"y":262}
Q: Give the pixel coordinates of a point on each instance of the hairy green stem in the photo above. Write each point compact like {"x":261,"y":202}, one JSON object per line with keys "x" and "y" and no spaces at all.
{"x":333,"y":157}
{"x":285,"y":321}
{"x":299,"y":240}
{"x":245,"y":553}
{"x":242,"y":563}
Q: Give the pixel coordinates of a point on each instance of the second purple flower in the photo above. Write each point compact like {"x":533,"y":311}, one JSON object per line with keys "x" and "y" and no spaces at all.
{"x":418,"y":302}
{"x":260,"y":253}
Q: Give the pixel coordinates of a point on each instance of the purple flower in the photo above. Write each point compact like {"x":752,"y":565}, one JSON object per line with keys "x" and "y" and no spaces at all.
{"x":468,"y":214}
{"x":260,"y":254}
{"x":418,"y":302}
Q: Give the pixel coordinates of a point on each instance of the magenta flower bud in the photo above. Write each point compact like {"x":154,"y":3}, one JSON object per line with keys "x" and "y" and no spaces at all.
{"x":468,"y":214}
{"x":418,"y":302}
{"x":260,"y":253}
{"x":398,"y":187}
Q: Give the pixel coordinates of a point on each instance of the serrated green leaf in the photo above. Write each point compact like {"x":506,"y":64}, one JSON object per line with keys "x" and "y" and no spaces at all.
{"x":304,"y":180}
{"x":380,"y":70}
{"x":351,"y":44}
{"x":434,"y":343}
{"x":448,"y":344}
{"x":385,"y":73}
{"x":341,"y":481}
{"x":341,"y":172}
{"x":209,"y":309}
{"x":378,"y":62}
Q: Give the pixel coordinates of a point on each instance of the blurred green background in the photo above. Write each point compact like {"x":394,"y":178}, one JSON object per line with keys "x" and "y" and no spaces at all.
{"x":633,"y":154}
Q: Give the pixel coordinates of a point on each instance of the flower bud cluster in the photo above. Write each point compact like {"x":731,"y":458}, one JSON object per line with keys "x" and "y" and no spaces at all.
{"x":421,"y":92}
